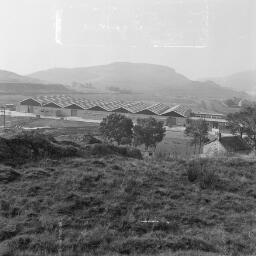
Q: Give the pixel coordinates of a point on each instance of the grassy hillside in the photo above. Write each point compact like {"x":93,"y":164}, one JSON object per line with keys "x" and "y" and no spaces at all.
{"x":134,"y":78}
{"x":11,"y":77}
{"x":32,"y":88}
{"x":15,"y":84}
{"x":115,"y":205}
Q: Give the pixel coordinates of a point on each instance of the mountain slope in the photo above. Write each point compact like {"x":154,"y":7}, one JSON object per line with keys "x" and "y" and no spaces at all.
{"x":11,"y":77}
{"x":12,"y":83}
{"x":245,"y":81}
{"x":133,"y":77}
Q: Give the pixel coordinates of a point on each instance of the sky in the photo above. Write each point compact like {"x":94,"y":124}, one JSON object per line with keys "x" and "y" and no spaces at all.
{"x":198,"y":38}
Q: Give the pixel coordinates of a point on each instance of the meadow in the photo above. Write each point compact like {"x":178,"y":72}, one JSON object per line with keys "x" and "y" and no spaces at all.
{"x":174,"y":144}
{"x":99,"y":200}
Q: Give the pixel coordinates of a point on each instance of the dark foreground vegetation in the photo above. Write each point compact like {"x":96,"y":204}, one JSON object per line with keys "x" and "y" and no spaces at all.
{"x":97,"y":200}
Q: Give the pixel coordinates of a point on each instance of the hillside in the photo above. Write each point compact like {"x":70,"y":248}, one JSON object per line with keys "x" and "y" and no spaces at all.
{"x":11,"y":77}
{"x":114,"y":205}
{"x":12,"y":83}
{"x":133,"y":78}
{"x":245,"y":81}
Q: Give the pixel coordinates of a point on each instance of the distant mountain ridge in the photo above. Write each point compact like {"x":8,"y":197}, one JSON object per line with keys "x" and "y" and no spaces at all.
{"x":134,"y":78}
{"x":245,"y":81}
{"x":11,"y":77}
{"x":12,"y":83}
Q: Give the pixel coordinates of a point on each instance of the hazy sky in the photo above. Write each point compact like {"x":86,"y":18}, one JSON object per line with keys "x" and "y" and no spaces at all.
{"x":199,"y":38}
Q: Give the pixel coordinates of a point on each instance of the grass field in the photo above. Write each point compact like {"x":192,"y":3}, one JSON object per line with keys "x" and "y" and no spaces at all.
{"x":175,"y":143}
{"x":114,"y":205}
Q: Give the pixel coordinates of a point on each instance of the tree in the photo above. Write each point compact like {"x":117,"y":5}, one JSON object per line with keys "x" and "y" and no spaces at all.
{"x":235,"y":123}
{"x":148,"y":131}
{"x":116,"y":127}
{"x":244,"y":122}
{"x":232,"y":102}
{"x":198,"y":130}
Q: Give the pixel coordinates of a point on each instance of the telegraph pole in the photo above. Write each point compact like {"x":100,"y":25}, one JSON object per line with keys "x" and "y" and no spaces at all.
{"x":4,"y":118}
{"x":3,"y":107}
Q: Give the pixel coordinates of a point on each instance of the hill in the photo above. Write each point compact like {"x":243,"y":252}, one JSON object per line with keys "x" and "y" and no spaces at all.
{"x":12,"y":83}
{"x":115,"y":205}
{"x":245,"y":81}
{"x":11,"y":77}
{"x":125,"y":77}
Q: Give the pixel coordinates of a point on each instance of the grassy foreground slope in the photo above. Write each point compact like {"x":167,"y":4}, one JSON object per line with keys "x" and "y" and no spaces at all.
{"x":114,"y":205}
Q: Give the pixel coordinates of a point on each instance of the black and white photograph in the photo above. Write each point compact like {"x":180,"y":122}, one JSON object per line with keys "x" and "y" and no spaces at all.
{"x":127,"y":127}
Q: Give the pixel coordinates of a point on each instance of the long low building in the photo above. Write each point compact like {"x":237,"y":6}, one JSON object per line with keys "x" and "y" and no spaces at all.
{"x":214,"y":120}
{"x":65,"y":105}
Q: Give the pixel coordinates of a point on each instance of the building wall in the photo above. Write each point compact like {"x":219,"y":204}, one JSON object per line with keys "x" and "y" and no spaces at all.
{"x":180,"y":121}
{"x":86,"y":114}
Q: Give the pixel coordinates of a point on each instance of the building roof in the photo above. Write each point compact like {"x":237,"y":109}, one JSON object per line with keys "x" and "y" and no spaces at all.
{"x":69,"y":101}
{"x":181,"y":110}
{"x":158,"y":108}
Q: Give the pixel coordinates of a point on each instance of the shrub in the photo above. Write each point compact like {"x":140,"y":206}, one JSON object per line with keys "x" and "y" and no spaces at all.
{"x":33,"y":146}
{"x":209,"y":179}
{"x":148,"y":131}
{"x":107,"y":149}
{"x":204,"y":172}
{"x":60,"y":113}
{"x":161,"y":154}
{"x":89,"y":139}
{"x":115,"y":127}
{"x":126,"y":141}
{"x":7,"y":174}
{"x":194,"y":170}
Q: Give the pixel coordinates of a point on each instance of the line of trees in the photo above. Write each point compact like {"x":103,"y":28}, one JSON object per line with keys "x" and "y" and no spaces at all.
{"x":120,"y":129}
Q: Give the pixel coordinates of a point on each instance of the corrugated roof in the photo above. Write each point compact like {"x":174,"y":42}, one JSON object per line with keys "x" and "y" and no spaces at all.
{"x":179,"y":109}
{"x":158,"y":108}
{"x":132,"y":107}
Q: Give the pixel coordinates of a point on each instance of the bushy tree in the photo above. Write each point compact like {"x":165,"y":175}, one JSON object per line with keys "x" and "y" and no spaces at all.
{"x":198,"y":130}
{"x":116,"y":127}
{"x":244,"y":121}
{"x":235,"y":124}
{"x":148,"y":131}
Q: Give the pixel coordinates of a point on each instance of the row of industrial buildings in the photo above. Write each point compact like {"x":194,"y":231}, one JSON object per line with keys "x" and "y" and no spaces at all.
{"x":67,"y":105}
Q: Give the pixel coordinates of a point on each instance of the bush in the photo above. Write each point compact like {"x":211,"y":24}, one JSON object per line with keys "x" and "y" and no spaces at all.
{"x":204,"y":172}
{"x":126,"y":141}
{"x":209,"y":179}
{"x":31,"y":146}
{"x":194,"y":170}
{"x":115,"y":127}
{"x":60,"y":113}
{"x":7,"y":174}
{"x":89,"y":139}
{"x":107,"y":149}
{"x":148,"y":131}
